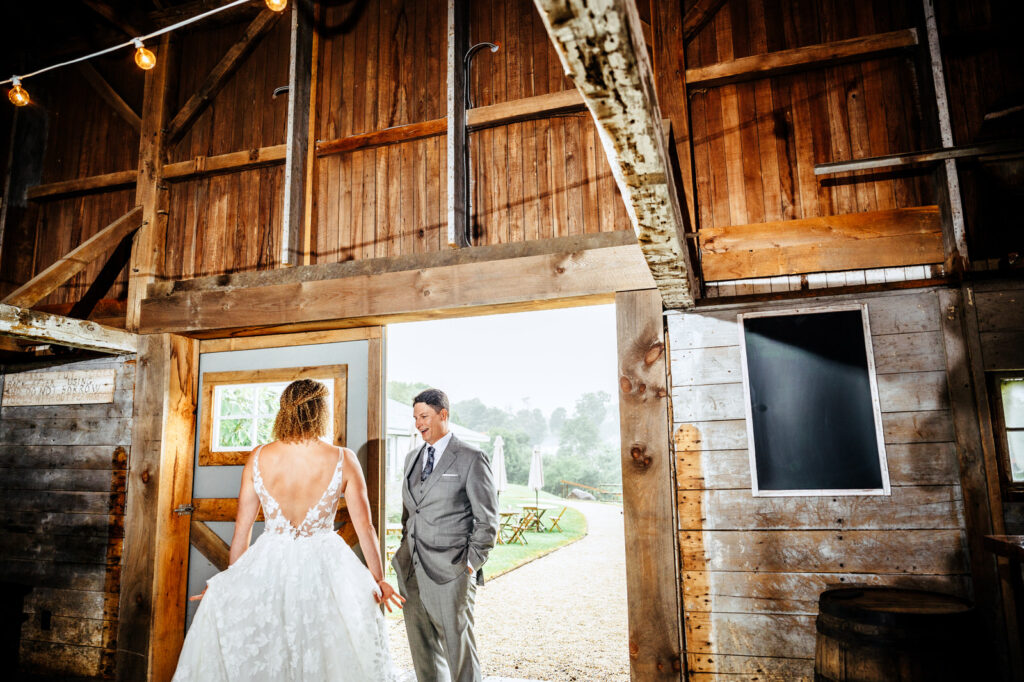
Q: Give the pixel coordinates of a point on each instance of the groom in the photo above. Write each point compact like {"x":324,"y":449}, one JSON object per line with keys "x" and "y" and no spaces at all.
{"x":449,"y":525}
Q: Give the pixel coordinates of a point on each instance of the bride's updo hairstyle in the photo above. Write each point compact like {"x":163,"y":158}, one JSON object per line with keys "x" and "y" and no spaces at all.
{"x":303,"y":415}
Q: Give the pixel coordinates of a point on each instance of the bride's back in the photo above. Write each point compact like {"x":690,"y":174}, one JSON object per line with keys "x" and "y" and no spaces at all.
{"x":296,"y":474}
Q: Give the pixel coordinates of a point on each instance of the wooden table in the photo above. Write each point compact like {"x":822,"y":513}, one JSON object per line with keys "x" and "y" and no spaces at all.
{"x":534,"y":513}
{"x":510,"y":530}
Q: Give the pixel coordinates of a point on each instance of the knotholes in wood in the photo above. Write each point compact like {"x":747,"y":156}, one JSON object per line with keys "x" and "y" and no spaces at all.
{"x":144,"y":476}
{"x":638,"y":453}
{"x":625,"y":385}
{"x":653,"y":353}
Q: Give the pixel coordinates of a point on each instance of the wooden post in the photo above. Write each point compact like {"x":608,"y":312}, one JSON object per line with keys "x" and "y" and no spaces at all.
{"x":979,"y":477}
{"x":154,"y":568}
{"x":375,"y":435}
{"x":648,"y":489}
{"x":947,"y":180}
{"x":458,"y":172}
{"x":601,"y":45}
{"x":294,"y":242}
{"x":150,"y":191}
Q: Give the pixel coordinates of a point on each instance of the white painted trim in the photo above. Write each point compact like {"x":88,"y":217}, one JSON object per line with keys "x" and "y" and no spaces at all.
{"x":876,"y":407}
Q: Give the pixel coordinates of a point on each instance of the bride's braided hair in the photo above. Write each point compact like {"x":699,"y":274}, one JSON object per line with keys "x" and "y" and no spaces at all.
{"x":303,"y":414}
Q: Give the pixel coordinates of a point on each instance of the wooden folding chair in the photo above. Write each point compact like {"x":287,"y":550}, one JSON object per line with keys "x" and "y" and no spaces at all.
{"x":554,"y":522}
{"x":518,"y":529}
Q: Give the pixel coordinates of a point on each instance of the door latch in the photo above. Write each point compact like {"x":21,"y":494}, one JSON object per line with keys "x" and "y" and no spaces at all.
{"x":184,"y":509}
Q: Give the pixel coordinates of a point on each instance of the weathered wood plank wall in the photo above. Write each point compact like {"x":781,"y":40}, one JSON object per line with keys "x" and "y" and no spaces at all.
{"x":62,"y":495}
{"x":753,"y":567}
{"x":84,"y":136}
{"x":228,"y":222}
{"x":756,"y":143}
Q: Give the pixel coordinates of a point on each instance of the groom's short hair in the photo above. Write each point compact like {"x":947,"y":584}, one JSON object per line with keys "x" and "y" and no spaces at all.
{"x":434,"y":397}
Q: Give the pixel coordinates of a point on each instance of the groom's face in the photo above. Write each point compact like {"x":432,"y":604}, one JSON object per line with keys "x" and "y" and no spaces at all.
{"x":431,"y":424}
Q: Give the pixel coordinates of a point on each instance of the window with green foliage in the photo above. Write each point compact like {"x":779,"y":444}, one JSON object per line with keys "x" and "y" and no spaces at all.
{"x":244,"y":414}
{"x":1010,"y":411}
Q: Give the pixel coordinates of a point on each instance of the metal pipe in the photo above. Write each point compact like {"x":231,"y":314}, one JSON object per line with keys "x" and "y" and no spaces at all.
{"x":467,"y":62}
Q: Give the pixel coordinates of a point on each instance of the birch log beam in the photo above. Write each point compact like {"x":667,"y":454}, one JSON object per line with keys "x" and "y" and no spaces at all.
{"x":45,"y":328}
{"x":601,"y":45}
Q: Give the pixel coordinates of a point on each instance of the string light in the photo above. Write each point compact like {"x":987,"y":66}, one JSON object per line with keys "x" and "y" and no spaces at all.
{"x":277,"y":5}
{"x":17,"y":94}
{"x":144,"y":57}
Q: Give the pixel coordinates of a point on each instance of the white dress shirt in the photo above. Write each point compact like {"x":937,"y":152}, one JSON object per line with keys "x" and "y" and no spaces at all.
{"x":440,"y":445}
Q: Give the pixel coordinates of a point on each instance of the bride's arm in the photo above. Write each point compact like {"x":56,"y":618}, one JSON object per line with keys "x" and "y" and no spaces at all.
{"x":248,"y":508}
{"x":358,"y":506}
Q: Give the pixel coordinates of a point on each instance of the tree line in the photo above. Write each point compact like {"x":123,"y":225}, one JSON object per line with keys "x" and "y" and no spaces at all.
{"x":582,"y":456}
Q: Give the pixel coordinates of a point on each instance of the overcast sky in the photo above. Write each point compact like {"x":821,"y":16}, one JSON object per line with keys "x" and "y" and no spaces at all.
{"x":542,"y":359}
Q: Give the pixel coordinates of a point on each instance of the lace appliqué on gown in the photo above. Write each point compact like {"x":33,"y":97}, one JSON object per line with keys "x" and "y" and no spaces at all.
{"x":298,"y":605}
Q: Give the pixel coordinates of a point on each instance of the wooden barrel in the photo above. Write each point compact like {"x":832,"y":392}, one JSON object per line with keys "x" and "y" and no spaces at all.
{"x":875,"y":634}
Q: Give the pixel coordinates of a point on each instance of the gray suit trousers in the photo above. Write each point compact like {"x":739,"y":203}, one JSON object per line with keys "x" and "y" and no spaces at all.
{"x":439,"y":623}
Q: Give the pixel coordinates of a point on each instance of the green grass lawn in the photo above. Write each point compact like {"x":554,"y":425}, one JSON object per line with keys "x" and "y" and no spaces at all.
{"x":504,"y":558}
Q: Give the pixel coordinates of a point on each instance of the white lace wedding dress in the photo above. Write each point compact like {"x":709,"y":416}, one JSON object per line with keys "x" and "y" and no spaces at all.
{"x":297,"y":606}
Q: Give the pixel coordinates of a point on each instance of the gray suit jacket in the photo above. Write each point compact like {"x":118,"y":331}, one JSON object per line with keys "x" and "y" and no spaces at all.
{"x":452,"y":519}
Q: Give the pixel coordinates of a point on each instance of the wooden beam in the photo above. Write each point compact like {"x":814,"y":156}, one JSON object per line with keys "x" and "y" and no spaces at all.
{"x":172,"y":14}
{"x":218,"y":76}
{"x":698,"y":15}
{"x":979,"y":474}
{"x":379,"y":266}
{"x":47,"y":281}
{"x":420,"y":293}
{"x":294,"y":238}
{"x":210,"y":544}
{"x":109,"y":95}
{"x":601,"y":45}
{"x":875,"y":239}
{"x":225,"y":163}
{"x":156,"y":539}
{"x":105,"y":279}
{"x":648,"y":489}
{"x":783,"y":61}
{"x":930,"y":156}
{"x":459,"y":221}
{"x":478,"y":118}
{"x":44,"y":328}
{"x":947,"y":178}
{"x":116,"y":17}
{"x":206,"y":509}
{"x":525,"y":109}
{"x":92,"y":183}
{"x":150,"y":190}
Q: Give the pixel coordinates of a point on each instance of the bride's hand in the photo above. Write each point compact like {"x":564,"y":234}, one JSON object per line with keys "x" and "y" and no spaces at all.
{"x":387,"y":595}
{"x":197,"y":597}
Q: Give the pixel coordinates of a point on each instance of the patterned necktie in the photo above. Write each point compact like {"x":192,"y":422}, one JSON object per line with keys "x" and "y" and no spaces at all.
{"x":430,"y":464}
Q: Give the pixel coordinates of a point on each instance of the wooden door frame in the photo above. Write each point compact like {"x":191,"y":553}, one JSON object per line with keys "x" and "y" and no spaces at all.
{"x":157,"y":538}
{"x":648,"y":465}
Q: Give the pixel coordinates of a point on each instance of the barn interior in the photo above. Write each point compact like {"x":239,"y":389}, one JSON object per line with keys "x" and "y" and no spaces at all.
{"x":777,"y":195}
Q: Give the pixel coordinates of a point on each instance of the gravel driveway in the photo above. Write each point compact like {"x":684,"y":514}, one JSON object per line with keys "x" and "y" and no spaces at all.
{"x":561,"y":617}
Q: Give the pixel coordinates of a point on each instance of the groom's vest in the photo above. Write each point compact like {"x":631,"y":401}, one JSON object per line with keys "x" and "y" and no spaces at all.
{"x":416,"y":486}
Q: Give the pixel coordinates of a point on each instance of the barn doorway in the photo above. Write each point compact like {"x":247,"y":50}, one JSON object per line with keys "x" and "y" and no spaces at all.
{"x":526,"y":385}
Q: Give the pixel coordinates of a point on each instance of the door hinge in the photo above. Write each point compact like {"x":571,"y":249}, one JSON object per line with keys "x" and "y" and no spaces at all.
{"x":184,"y":509}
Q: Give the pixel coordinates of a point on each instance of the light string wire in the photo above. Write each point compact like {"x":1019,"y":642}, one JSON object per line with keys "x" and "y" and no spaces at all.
{"x":131,"y":43}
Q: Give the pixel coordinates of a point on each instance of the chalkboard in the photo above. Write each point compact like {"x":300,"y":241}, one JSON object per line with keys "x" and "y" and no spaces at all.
{"x":812,"y":419}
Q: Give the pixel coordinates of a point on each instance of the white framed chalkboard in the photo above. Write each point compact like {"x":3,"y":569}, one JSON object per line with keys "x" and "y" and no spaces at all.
{"x":814,"y":426}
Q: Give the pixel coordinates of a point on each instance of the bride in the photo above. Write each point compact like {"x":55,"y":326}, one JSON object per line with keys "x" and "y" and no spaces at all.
{"x":298,"y":604}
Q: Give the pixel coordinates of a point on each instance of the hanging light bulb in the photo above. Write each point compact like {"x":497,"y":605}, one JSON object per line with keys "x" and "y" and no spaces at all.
{"x":17,"y":94}
{"x":277,"y":5}
{"x":144,"y":57}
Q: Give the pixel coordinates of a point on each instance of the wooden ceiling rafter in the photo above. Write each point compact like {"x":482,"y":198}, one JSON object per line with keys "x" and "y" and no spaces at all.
{"x":127,"y":24}
{"x":47,"y":281}
{"x":219,"y":75}
{"x":698,"y":15}
{"x":109,"y":95}
{"x":601,"y":46}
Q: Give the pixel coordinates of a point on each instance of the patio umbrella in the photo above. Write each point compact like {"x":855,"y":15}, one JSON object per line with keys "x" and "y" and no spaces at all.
{"x":536,"y":480}
{"x":498,"y":466}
